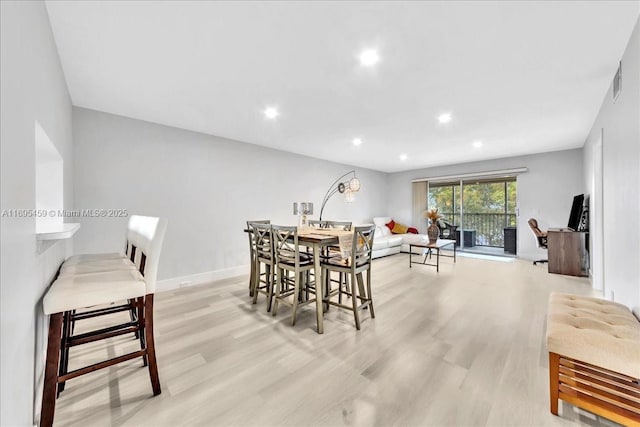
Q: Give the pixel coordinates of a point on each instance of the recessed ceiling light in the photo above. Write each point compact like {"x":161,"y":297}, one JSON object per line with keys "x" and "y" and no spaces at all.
{"x":444,"y":118}
{"x":369,"y":57}
{"x":477,"y":144}
{"x":357,"y":141}
{"x":271,"y":113}
{"x":403,"y":157}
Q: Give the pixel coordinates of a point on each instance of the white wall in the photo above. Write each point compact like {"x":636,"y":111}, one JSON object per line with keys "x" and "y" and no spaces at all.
{"x":545,"y":192}
{"x":32,"y":89}
{"x":619,"y":123}
{"x":207,"y":186}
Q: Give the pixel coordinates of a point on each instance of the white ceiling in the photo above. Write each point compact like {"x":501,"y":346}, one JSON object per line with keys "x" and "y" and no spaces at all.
{"x":523,"y":77}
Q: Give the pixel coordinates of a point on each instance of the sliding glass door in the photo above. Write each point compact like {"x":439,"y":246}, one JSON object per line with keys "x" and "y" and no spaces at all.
{"x":482,"y":209}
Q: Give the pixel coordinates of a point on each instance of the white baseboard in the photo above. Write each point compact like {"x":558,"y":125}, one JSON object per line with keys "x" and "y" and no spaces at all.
{"x":199,"y":278}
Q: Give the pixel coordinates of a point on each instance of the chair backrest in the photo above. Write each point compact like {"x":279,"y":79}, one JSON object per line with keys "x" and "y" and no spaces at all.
{"x":145,"y":234}
{"x":540,"y":236}
{"x":317,"y":223}
{"x":250,"y":234}
{"x":361,"y":248}
{"x":262,"y":240}
{"x":341,"y":225}
{"x":285,"y":245}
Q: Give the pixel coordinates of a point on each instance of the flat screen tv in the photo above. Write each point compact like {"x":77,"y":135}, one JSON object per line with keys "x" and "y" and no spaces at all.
{"x":576,"y":212}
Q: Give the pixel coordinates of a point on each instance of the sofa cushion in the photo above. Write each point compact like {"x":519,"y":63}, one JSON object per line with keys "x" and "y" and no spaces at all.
{"x":399,"y":228}
{"x":380,"y":244}
{"x":391,"y":224}
{"x":382,"y":232}
{"x":412,"y":230}
{"x":412,"y":239}
{"x":394,"y":240}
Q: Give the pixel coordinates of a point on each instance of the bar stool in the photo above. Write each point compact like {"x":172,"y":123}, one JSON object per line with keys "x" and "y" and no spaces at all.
{"x":353,"y":269}
{"x":252,"y":252}
{"x":289,"y":259}
{"x":263,"y":248}
{"x":70,"y":292}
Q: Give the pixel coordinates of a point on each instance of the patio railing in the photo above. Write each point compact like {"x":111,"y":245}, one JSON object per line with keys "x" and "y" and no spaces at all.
{"x":489,"y":227}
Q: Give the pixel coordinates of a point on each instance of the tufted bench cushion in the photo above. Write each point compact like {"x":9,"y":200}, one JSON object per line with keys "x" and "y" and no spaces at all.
{"x":595,"y":331}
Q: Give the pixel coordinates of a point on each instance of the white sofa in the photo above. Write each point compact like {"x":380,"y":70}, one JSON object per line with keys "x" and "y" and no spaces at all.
{"x":385,"y":243}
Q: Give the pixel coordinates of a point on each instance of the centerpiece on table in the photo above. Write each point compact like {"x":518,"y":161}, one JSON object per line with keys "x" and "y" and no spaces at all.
{"x":433,"y":231}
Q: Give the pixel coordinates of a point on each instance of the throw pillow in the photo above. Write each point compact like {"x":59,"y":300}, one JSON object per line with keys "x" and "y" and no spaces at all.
{"x":390,"y":225}
{"x":412,"y":230}
{"x":399,"y":229}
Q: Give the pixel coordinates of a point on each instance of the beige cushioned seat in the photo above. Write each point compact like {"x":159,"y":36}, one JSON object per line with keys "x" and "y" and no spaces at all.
{"x":102,"y":266}
{"x":595,"y":331}
{"x":79,"y":259}
{"x":86,"y":290}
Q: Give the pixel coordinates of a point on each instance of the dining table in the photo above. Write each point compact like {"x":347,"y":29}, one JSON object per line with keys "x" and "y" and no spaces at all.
{"x":318,"y":239}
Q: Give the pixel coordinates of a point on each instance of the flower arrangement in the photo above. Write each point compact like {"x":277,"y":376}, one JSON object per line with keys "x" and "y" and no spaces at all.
{"x":432,"y":215}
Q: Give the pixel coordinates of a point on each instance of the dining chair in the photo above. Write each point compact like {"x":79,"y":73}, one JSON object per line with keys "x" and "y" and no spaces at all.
{"x":353,"y":268}
{"x":342,"y":225}
{"x":288,"y":258}
{"x":252,"y":252}
{"x":72,"y":291}
{"x":317,"y":223}
{"x":263,"y":255}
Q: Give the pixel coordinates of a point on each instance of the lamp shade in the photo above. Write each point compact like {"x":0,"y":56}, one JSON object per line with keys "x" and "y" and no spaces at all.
{"x":303,"y":208}
{"x":354,"y":184}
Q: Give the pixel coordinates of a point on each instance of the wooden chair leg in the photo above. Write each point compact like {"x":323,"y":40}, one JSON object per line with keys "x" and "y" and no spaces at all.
{"x":554,"y":374}
{"x":296,"y":291}
{"x":271,"y":278}
{"x":151,"y":349}
{"x":256,"y":281}
{"x":369,"y":294}
{"x":141,"y":333}
{"x":274,"y":310}
{"x":51,"y":370}
{"x":64,"y":348}
{"x":354,"y":300}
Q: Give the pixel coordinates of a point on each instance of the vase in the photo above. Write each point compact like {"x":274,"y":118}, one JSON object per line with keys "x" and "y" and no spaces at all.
{"x":433,"y":232}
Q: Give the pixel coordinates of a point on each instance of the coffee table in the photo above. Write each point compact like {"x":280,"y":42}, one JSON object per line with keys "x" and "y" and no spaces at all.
{"x":439,"y":244}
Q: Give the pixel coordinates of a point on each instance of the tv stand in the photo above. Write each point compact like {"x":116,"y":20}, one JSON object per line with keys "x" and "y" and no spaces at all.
{"x":568,"y":252}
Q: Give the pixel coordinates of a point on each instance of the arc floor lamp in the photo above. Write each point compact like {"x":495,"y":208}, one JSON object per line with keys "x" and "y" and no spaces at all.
{"x":348,"y":188}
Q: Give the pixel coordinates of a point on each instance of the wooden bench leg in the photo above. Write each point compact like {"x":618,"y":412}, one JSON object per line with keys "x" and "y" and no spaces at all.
{"x":151,"y":349}
{"x":554,"y":386}
{"x":50,"y":389}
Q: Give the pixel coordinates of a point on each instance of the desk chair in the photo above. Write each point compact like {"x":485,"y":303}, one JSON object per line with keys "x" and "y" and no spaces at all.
{"x":541,"y":238}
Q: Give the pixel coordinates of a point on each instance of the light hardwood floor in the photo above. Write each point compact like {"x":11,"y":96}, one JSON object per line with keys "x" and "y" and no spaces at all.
{"x":462,"y":347}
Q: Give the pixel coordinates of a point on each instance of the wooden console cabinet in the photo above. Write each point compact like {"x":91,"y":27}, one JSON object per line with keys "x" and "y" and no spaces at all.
{"x":568,"y":252}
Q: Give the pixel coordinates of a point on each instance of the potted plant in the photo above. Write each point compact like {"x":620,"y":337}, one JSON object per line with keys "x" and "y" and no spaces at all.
{"x":433,"y":231}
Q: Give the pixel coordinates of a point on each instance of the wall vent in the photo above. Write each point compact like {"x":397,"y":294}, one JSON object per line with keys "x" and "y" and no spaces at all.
{"x":617,"y":82}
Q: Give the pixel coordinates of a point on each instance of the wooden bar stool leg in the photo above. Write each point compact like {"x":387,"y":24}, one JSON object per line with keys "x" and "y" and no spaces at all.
{"x":256,"y":281}
{"x":369,"y":294}
{"x":270,"y":277}
{"x":51,"y":370}
{"x":354,"y":299}
{"x":274,"y":310}
{"x":296,"y":292}
{"x":141,"y":333}
{"x":151,"y":349}
{"x":64,"y":348}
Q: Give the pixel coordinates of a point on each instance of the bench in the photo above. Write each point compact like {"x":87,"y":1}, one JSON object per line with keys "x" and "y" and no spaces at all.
{"x":594,"y":357}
